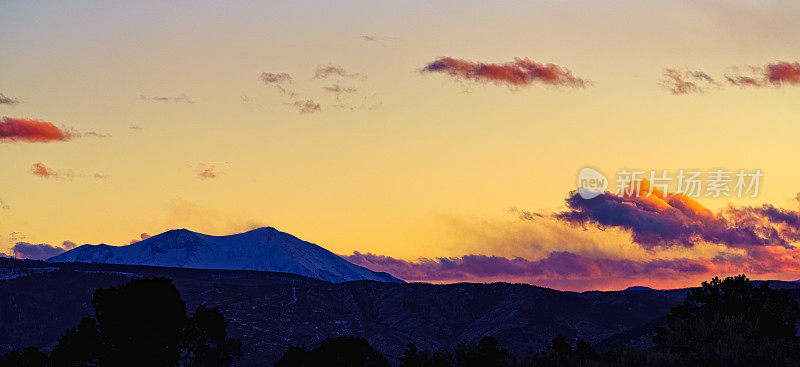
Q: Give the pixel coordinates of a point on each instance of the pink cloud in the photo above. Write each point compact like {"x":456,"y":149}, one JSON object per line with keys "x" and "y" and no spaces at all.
{"x":776,"y":74}
{"x":520,"y":72}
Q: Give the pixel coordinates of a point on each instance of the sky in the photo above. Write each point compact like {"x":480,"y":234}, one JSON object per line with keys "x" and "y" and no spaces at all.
{"x":440,"y":141}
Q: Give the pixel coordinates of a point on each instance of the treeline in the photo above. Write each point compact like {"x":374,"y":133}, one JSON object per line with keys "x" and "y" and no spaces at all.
{"x":723,"y":323}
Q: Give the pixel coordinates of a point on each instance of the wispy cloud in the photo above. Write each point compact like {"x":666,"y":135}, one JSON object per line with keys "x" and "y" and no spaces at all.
{"x":327,"y":71}
{"x":686,"y":81}
{"x":777,"y":74}
{"x":517,"y":73}
{"x":207,"y":173}
{"x":280,"y":81}
{"x":9,"y":100}
{"x":307,"y":106}
{"x":275,"y":78}
{"x":304,"y":105}
{"x":41,"y":170}
{"x":338,"y":90}
{"x":96,"y":134}
{"x":182,"y":98}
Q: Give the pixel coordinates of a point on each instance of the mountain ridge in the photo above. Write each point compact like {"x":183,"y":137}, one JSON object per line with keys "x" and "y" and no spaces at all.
{"x":263,"y":249}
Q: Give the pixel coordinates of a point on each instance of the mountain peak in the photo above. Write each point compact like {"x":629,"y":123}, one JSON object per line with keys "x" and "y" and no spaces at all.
{"x":264,"y":249}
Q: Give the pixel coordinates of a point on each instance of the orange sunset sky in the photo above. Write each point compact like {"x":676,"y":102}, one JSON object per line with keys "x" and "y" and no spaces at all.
{"x":344,"y":123}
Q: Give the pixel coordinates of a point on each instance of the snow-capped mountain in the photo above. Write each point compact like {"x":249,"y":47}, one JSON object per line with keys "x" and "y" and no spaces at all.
{"x":265,"y":249}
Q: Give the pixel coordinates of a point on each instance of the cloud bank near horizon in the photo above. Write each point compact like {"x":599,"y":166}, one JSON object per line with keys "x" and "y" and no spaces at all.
{"x":42,"y":251}
{"x":680,"y":242}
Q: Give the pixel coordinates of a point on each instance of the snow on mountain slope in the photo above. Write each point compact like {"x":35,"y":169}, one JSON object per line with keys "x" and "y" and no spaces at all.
{"x":265,"y":249}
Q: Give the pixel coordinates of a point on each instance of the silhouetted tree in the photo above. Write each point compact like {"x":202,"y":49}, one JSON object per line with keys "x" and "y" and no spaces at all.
{"x":487,"y":353}
{"x":206,"y":342}
{"x":732,"y":323}
{"x":144,"y":323}
{"x":341,"y":351}
{"x":415,"y":357}
{"x":80,"y":346}
{"x":561,"y":353}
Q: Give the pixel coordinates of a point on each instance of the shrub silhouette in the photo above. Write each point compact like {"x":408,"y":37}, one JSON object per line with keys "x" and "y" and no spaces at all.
{"x":341,"y":351}
{"x":561,"y":353}
{"x":486,"y":353}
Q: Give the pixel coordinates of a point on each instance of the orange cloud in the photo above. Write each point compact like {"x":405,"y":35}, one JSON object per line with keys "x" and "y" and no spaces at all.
{"x":41,"y":170}
{"x":520,"y":72}
{"x":35,"y":131}
{"x":142,"y":237}
{"x":207,"y":173}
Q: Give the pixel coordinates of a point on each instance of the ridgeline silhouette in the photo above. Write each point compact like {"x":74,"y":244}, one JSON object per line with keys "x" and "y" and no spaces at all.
{"x":726,"y":322}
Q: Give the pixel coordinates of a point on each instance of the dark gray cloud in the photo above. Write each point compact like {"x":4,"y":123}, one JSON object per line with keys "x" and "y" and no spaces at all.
{"x":9,"y":100}
{"x":42,"y":251}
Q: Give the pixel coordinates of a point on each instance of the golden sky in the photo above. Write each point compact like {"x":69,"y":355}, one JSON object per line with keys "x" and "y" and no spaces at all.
{"x":406,"y":164}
